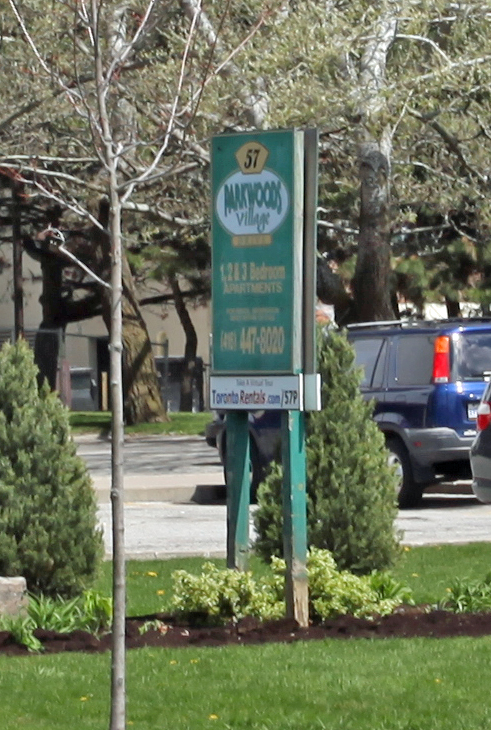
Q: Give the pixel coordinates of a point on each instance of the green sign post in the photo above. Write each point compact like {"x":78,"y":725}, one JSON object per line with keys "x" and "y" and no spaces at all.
{"x":259,"y":319}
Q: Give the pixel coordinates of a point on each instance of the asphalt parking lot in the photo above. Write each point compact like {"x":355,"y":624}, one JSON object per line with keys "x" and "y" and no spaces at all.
{"x":171,"y":529}
{"x":175,"y":502}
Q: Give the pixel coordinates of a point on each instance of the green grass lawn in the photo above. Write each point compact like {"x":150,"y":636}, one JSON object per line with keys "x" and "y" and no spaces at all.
{"x":389,"y":684}
{"x":189,"y":424}
{"x":392,"y":684}
{"x":428,"y":571}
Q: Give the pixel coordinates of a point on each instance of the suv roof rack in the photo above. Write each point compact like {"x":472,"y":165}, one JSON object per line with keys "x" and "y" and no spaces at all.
{"x":386,"y":323}
{"x":416,"y":322}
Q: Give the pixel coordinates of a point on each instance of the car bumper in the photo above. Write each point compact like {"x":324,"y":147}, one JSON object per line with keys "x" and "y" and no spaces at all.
{"x":482,"y":489}
{"x":429,"y":447}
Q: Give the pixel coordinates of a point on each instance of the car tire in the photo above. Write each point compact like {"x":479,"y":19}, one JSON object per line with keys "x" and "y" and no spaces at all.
{"x":408,"y":491}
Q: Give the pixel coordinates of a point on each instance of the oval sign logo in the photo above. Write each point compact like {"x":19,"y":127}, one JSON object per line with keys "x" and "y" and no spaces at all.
{"x":252,"y":204}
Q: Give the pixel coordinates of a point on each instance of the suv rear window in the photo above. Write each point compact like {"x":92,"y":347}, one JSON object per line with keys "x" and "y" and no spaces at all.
{"x":471,"y":355}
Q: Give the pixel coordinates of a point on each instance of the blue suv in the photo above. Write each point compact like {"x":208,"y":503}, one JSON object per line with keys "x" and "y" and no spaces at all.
{"x":426,"y":379}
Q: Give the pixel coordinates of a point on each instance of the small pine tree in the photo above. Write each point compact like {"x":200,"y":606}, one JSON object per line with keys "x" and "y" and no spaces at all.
{"x":48,"y":520}
{"x":351,"y":490}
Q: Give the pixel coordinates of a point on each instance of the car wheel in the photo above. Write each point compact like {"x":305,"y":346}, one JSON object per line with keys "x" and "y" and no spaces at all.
{"x":408,"y":491}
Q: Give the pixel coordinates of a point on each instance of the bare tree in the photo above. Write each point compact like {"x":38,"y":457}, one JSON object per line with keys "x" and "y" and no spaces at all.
{"x":109,"y":43}
{"x":131,"y":140}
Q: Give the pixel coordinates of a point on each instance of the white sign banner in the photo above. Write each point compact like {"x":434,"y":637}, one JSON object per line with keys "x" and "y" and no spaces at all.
{"x":252,"y":203}
{"x":254,"y":393}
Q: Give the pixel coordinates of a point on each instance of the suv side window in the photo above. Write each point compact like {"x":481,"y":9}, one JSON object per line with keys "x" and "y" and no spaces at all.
{"x":414,"y":360}
{"x":368,"y":357}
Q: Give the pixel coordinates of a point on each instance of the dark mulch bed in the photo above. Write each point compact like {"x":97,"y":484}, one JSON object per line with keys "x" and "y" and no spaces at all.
{"x":165,"y":631}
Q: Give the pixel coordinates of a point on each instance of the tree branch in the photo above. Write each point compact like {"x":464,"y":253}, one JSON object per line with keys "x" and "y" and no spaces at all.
{"x":256,"y":103}
{"x":452,"y":144}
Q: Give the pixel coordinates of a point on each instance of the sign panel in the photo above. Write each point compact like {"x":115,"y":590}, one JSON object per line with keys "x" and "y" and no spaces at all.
{"x":257,"y":182}
{"x":253,"y":393}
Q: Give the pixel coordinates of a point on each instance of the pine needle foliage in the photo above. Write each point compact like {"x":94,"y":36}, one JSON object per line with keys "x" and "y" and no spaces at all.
{"x":351,"y":493}
{"x":48,"y":521}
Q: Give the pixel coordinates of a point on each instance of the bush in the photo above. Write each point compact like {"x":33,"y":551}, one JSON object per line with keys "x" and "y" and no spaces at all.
{"x":48,"y":520}
{"x":218,"y":595}
{"x":351,"y":490}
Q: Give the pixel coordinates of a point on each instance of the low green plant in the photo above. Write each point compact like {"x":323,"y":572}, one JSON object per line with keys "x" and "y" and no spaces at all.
{"x":21,"y":628}
{"x":465,"y":596}
{"x":55,"y":614}
{"x":334,"y":593}
{"x":153,"y":625}
{"x":219,"y":595}
{"x":389,"y":588}
{"x":97,"y":610}
{"x":89,"y":612}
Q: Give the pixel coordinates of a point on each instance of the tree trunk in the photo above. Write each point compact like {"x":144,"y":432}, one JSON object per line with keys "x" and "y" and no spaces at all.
{"x":372,"y":273}
{"x":372,"y":280}
{"x":453,"y":307}
{"x":189,"y":371}
{"x":47,"y":342}
{"x":142,"y":397}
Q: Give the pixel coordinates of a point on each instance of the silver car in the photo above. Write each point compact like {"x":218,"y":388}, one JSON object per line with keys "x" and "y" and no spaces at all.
{"x":481,"y":450}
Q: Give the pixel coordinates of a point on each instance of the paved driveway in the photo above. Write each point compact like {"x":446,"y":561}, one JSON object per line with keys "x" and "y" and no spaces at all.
{"x":160,"y":529}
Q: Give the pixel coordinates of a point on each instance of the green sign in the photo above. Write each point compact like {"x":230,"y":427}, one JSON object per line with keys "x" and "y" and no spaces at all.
{"x":257,"y":186}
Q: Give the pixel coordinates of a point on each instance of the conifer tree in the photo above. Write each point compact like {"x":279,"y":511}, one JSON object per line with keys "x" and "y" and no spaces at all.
{"x":48,"y":521}
{"x":351,"y":490}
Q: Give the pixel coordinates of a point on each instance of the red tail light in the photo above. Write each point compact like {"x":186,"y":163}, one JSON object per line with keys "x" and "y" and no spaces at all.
{"x":441,"y":360}
{"x":483,"y":415}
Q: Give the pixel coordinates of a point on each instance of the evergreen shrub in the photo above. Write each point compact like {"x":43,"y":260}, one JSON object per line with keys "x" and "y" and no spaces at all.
{"x":48,"y":512}
{"x":351,"y":490}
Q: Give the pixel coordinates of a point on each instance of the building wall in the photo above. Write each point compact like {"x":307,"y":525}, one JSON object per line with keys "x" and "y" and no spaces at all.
{"x":162,"y":321}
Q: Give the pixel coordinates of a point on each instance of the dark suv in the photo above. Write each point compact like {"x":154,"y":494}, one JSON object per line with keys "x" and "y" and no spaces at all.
{"x":426,"y":380}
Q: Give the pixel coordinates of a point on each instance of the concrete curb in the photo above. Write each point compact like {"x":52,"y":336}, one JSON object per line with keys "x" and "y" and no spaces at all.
{"x":94,"y":436}
{"x":200,"y":488}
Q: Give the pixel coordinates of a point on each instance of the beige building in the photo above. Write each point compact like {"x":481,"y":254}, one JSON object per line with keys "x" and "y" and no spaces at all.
{"x":84,"y":339}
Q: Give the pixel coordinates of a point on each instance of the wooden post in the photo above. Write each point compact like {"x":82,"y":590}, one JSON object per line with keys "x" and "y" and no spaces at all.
{"x":104,"y":391}
{"x":238,"y":489}
{"x":295,"y":515}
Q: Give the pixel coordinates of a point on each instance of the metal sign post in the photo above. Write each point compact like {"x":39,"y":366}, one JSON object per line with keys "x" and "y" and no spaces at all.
{"x":238,"y":492}
{"x":258,"y":346}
